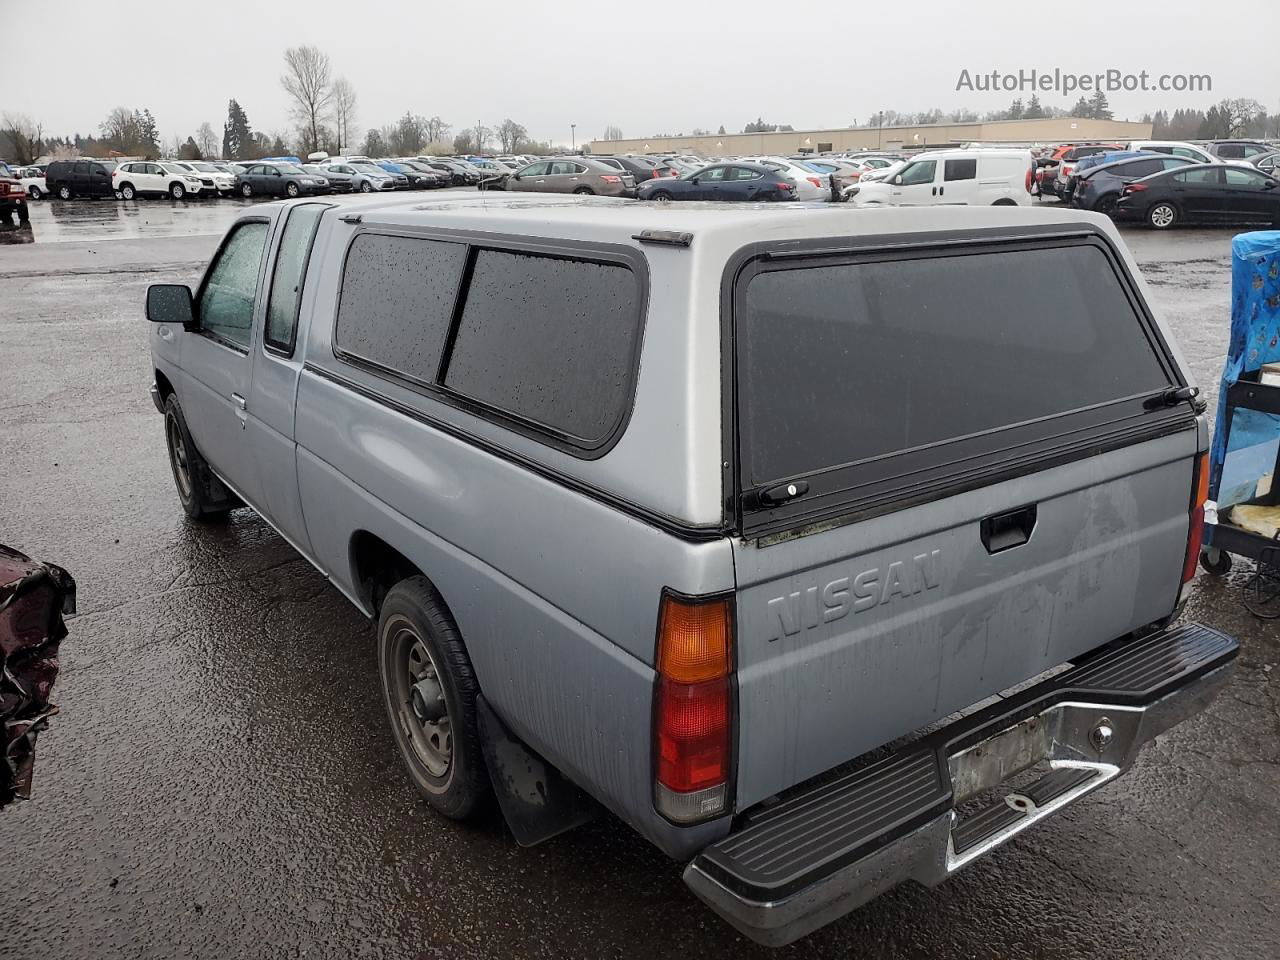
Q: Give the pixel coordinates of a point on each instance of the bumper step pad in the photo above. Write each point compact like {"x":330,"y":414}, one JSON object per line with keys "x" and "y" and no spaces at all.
{"x":823,"y":850}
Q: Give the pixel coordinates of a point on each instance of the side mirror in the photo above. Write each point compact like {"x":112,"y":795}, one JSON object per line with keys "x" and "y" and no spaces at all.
{"x":1269,"y":185}
{"x":695,"y":180}
{"x":897,"y":179}
{"x":170,"y":303}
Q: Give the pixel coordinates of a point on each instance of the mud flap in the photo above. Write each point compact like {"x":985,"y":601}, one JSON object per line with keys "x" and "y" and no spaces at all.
{"x":537,"y":800}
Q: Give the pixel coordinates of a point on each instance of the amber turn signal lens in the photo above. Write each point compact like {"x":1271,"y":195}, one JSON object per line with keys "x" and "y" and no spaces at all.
{"x":693,"y":639}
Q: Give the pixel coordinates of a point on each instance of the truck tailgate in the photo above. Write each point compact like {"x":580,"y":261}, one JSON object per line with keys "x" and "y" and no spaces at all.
{"x":915,"y":618}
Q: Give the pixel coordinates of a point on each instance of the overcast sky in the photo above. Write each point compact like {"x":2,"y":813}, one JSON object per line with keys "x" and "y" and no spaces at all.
{"x":668,"y":66}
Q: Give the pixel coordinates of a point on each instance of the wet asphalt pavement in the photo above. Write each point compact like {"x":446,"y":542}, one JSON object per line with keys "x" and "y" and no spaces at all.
{"x":221,"y":782}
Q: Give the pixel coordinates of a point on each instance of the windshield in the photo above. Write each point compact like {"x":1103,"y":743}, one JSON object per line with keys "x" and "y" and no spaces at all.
{"x":206,"y":168}
{"x":372,"y":168}
{"x":289,"y":168}
{"x":313,"y":169}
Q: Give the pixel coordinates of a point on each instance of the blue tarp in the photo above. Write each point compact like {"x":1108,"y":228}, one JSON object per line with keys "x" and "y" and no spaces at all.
{"x":1255,"y":341}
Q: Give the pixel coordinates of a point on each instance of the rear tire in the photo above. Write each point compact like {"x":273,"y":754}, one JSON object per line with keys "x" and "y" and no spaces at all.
{"x":584,"y":192}
{"x":246,"y":190}
{"x":1162,"y":215}
{"x":430,"y":690}
{"x":661,"y":196}
{"x":199,"y":491}
{"x":34,"y":192}
{"x":127,"y":192}
{"x":64,"y":192}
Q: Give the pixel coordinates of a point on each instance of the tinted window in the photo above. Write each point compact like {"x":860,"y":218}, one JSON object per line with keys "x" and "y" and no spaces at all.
{"x":397,"y":299}
{"x":226,"y":301}
{"x":286,"y":282}
{"x":846,"y":362}
{"x":1231,"y":151}
{"x":1210,"y":175}
{"x":1141,"y":168}
{"x":1172,"y":163}
{"x":548,"y":340}
{"x":713,"y":174}
{"x":965,"y":169}
{"x":744,"y":173}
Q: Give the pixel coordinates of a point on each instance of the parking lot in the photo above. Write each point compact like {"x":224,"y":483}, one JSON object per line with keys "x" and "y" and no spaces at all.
{"x":221,"y":781}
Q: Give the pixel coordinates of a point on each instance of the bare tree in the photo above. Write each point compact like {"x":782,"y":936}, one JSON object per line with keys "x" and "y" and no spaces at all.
{"x":437,"y":130}
{"x":24,"y":135}
{"x":207,"y":140}
{"x":1239,"y":114}
{"x":510,"y":134}
{"x":612,"y":133}
{"x":344,"y":112}
{"x":308,"y":81}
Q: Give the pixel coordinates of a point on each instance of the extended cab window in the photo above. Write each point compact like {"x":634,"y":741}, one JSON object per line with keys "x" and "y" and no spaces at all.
{"x":286,"y":282}
{"x":226,"y":299}
{"x":548,"y":340}
{"x":854,"y":363}
{"x":965,"y":169}
{"x":397,"y":299}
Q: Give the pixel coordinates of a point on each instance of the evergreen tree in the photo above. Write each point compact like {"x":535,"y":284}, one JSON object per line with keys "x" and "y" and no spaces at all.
{"x":721,"y":130}
{"x":1034,"y":111}
{"x":1099,"y":109}
{"x":1081,"y":109}
{"x":237,"y":137}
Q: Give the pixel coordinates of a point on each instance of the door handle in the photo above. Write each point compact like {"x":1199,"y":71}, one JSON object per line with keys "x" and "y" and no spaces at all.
{"x":933,"y":191}
{"x":941,"y":191}
{"x":1004,"y":531}
{"x":242,"y":410}
{"x":238,"y":401}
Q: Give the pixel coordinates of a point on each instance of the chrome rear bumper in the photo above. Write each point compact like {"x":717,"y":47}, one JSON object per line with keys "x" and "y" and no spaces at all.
{"x":827,"y":849}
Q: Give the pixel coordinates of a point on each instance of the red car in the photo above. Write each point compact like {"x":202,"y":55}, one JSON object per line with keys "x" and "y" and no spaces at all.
{"x":13,"y":199}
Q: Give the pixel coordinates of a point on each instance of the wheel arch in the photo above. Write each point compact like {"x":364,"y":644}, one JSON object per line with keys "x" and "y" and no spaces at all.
{"x":163,"y":384}
{"x":376,"y":567}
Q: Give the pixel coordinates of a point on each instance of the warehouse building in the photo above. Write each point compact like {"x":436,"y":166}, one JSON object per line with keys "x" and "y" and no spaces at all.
{"x":839,"y":139}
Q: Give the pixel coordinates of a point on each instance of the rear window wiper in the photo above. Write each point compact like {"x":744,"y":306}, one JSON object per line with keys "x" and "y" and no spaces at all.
{"x":1174,"y":396}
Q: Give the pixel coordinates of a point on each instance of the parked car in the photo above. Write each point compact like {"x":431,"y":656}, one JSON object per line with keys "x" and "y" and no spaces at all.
{"x":146,"y":178}
{"x":421,"y":175}
{"x":459,"y":175}
{"x":364,"y":176}
{"x":402,"y":181}
{"x":640,"y":168}
{"x":1179,"y":148}
{"x":982,"y":177}
{"x":1238,"y":149}
{"x":33,"y":181}
{"x":1051,"y":160}
{"x":1100,"y":187}
{"x":580,"y":175}
{"x":839,"y":173}
{"x":280,"y":180}
{"x":13,"y":201}
{"x":809,"y":184}
{"x":874,"y":174}
{"x":1213,"y":193}
{"x":211,"y":174}
{"x":68,"y":179}
{"x":620,"y":544}
{"x":337,"y":184}
{"x":1267,"y":162}
{"x":1064,"y":173}
{"x":737,"y":181}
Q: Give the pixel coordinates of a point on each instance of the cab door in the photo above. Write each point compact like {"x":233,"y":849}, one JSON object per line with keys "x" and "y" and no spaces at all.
{"x":215,"y":356}
{"x":915,"y":185}
{"x":277,"y":362}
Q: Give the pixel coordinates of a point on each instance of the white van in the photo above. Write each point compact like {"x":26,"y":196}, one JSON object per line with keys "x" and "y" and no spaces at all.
{"x":980,"y":177}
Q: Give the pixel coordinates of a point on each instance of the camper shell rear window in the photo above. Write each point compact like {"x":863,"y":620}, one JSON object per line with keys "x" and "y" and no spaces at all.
{"x":882,"y":377}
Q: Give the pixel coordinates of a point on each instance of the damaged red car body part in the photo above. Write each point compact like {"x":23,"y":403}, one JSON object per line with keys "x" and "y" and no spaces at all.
{"x":693,"y":708}
{"x":33,"y":598}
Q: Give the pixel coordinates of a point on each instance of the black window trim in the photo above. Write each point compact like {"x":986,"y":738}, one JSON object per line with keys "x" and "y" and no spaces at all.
{"x":282,"y":350}
{"x":554,"y":248}
{"x":204,"y":282}
{"x":1036,"y":445}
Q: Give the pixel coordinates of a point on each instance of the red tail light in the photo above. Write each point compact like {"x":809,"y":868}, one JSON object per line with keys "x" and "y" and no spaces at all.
{"x":815,"y":181}
{"x":783,"y":185}
{"x":693,"y":708}
{"x":610,"y":178}
{"x":1135,"y":187}
{"x":1195,"y":532}
{"x":1030,"y":177}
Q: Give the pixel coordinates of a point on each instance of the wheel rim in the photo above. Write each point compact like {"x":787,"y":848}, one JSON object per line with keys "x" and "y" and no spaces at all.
{"x":1106,"y":205}
{"x":178,"y":191}
{"x":291,"y":190}
{"x":662,"y":198}
{"x":420,"y":700}
{"x":1162,"y":216}
{"x":178,"y":457}
{"x":246,"y":190}
{"x":127,"y":192}
{"x":64,"y":193}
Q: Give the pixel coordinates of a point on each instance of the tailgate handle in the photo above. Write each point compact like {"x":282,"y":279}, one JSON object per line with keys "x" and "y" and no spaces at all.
{"x":1004,"y":531}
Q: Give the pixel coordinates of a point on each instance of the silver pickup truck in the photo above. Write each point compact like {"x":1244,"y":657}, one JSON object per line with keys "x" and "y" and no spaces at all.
{"x":827,"y":549}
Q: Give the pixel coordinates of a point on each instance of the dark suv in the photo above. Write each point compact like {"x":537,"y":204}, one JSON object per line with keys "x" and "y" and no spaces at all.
{"x":80,"y":178}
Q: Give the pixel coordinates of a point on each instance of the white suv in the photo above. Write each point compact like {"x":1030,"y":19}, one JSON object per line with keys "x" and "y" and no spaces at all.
{"x":157,"y":178}
{"x":211,"y":175}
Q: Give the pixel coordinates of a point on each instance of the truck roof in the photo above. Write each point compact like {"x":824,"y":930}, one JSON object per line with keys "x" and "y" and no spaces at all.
{"x":620,"y":220}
